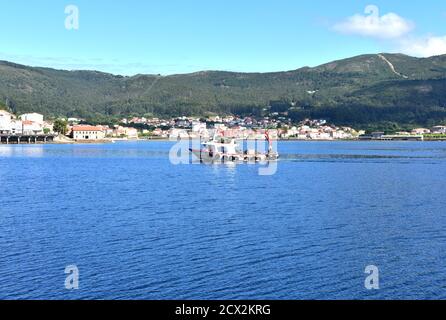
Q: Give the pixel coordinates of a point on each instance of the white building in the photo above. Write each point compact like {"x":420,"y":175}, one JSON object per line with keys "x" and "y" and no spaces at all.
{"x":131,"y":133}
{"x":32,"y":123}
{"x":125,"y":132}
{"x":16,"y":127}
{"x":439,"y":129}
{"x":198,"y":127}
{"x":87,"y":133}
{"x":5,"y":122}
{"x":34,"y":117}
{"x":340,"y":134}
{"x":9,"y":124}
{"x":28,"y":124}
{"x":178,"y":134}
{"x":31,"y":127}
{"x":419,"y":131}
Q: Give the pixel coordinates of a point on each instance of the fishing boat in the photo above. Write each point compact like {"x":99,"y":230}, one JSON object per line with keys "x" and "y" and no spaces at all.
{"x":227,"y":150}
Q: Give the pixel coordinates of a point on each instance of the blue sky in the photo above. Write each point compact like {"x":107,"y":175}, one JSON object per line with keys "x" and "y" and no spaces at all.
{"x":174,"y":36}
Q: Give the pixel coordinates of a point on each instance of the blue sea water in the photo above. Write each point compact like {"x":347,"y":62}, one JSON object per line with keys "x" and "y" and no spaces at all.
{"x":138,"y":227}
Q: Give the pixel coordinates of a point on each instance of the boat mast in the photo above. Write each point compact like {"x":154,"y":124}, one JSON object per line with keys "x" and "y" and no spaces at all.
{"x":270,"y":144}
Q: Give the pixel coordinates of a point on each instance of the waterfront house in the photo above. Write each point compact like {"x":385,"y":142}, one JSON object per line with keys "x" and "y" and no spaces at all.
{"x":178,"y":134}
{"x":32,"y":123}
{"x":86,"y":132}
{"x":125,"y":132}
{"x":131,"y":133}
{"x":16,"y":127}
{"x":31,"y":127}
{"x":439,"y":130}
{"x":119,"y":132}
{"x":107,"y":131}
{"x":420,"y":131}
{"x":5,"y":122}
{"x":340,"y":134}
{"x":28,"y":124}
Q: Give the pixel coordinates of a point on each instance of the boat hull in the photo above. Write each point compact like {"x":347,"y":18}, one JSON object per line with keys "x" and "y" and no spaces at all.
{"x":208,"y":157}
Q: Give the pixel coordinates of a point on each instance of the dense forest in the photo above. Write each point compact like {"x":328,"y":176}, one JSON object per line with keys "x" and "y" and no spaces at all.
{"x":367,"y":90}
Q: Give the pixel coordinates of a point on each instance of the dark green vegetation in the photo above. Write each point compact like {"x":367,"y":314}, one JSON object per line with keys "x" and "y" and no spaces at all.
{"x":362,"y":91}
{"x":60,"y":126}
{"x":435,"y":137}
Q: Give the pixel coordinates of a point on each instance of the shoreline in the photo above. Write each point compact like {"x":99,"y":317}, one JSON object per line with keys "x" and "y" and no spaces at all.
{"x":103,"y":142}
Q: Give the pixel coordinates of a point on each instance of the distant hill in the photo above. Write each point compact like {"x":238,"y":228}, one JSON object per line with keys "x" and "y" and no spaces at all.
{"x":363,"y":90}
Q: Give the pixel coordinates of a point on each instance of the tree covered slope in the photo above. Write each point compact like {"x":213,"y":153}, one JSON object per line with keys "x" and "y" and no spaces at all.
{"x":360,"y":90}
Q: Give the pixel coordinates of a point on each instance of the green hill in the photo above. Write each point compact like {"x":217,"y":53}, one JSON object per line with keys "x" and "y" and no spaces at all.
{"x":363,"y":90}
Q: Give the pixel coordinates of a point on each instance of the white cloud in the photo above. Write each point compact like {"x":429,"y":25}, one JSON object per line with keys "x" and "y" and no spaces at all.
{"x":424,"y":47}
{"x":395,"y":29}
{"x":371,"y":24}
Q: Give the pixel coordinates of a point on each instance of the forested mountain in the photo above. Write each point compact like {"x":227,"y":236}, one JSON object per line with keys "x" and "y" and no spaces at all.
{"x":366,"y":89}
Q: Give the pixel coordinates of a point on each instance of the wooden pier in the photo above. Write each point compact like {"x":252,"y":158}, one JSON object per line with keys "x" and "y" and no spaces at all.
{"x":26,"y":139}
{"x":371,"y":137}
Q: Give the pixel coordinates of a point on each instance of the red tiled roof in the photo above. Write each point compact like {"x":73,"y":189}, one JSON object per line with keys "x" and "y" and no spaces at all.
{"x":86,"y":128}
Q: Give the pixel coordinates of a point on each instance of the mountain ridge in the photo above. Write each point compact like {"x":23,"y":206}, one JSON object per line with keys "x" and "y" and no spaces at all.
{"x":19,"y":65}
{"x":391,"y":87}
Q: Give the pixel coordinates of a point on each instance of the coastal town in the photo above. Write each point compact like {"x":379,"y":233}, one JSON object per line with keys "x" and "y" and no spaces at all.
{"x":33,"y":126}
